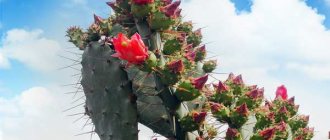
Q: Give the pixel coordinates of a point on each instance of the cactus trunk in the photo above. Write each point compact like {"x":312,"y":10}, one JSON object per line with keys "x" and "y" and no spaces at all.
{"x":110,"y":101}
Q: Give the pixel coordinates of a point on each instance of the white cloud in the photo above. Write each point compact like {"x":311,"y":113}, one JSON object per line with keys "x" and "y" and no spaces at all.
{"x":275,"y":38}
{"x":3,"y":61}
{"x":36,"y":114}
{"x":278,"y":31}
{"x":30,"y":48}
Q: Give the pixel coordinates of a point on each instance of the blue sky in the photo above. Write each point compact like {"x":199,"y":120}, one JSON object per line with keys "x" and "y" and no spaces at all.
{"x":282,"y":46}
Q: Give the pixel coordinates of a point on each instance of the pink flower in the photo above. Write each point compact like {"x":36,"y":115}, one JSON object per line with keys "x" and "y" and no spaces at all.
{"x":141,"y":2}
{"x":281,"y":92}
{"x":199,"y":82}
{"x":132,"y":50}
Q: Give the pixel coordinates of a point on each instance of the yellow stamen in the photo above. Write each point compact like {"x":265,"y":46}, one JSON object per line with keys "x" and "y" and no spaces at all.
{"x":124,"y":44}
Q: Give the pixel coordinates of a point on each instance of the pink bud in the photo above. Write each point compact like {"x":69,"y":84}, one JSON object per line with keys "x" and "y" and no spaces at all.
{"x":198,"y":32}
{"x":267,"y":134}
{"x":283,"y":110}
{"x":169,"y":10}
{"x":199,"y":82}
{"x":238,"y":80}
{"x":230,"y":77}
{"x":268,"y":104}
{"x":201,"y":49}
{"x":256,"y":93}
{"x":291,"y":100}
{"x":176,"y":66}
{"x":271,"y":115}
{"x":304,"y":118}
{"x":188,"y":48}
{"x":281,"y":126}
{"x":232,"y":133}
{"x":177,"y":13}
{"x":215,"y":107}
{"x":191,"y":55}
{"x":221,"y":87}
{"x":281,"y":92}
{"x":112,"y":4}
{"x":242,"y":110}
{"x":97,"y":19}
{"x":199,"y":117}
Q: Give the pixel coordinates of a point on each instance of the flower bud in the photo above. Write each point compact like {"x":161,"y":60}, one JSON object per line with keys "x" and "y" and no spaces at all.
{"x":200,"y":81}
{"x":281,"y":92}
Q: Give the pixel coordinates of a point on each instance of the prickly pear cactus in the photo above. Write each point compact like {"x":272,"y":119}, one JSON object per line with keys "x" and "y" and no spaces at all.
{"x":108,"y":94}
{"x":145,"y":64}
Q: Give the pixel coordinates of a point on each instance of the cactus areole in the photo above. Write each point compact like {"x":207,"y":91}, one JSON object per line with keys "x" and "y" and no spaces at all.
{"x":144,"y":64}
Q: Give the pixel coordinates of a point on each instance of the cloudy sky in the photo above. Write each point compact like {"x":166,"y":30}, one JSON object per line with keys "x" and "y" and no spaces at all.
{"x":270,"y":42}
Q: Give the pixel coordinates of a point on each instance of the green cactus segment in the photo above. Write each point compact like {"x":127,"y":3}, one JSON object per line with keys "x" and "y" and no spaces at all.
{"x":209,"y":66}
{"x":187,"y":123}
{"x":150,"y":64}
{"x":185,"y":27}
{"x":172,"y":46}
{"x":298,"y":122}
{"x":195,"y":38}
{"x":77,"y":37}
{"x":153,"y":115}
{"x":186,"y":91}
{"x":141,"y":11}
{"x":159,"y":21}
{"x":110,"y":101}
{"x":151,"y":111}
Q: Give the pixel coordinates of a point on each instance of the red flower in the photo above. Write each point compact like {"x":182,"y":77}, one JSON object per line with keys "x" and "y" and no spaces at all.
{"x":141,"y":2}
{"x":199,"y":82}
{"x":281,"y":92}
{"x":133,"y":51}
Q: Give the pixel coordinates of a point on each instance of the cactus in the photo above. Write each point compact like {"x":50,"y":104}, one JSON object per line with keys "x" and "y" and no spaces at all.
{"x":144,"y":64}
